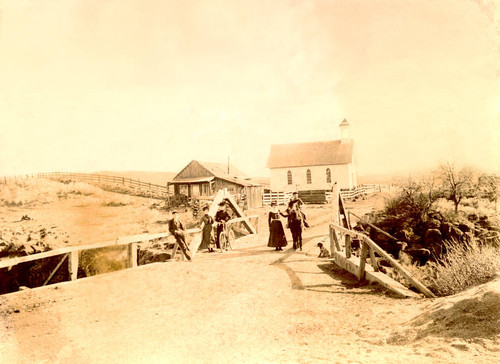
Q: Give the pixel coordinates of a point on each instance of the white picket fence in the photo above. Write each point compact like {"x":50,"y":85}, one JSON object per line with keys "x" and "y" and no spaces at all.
{"x":359,"y":191}
{"x":282,"y":198}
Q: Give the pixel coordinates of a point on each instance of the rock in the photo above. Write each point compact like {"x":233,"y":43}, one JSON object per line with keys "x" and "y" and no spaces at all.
{"x":445,"y":228}
{"x":455,"y":234}
{"x":472,"y":218}
{"x":433,"y":241}
{"x":419,"y":255}
{"x":153,"y":256}
{"x":392,"y":247}
{"x":433,"y":224}
{"x":465,"y":228}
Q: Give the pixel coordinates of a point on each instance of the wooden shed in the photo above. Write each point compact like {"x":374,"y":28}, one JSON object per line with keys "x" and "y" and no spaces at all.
{"x":203,"y":180}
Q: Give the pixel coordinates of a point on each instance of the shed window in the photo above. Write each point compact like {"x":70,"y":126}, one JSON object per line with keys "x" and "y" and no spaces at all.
{"x":289,"y":176}
{"x":328,"y":176}
{"x":308,"y":176}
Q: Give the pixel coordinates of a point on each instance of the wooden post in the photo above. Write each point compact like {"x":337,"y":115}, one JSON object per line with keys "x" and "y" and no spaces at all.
{"x":336,"y":240}
{"x":347,"y":246}
{"x":373,"y":260}
{"x":362,"y":261}
{"x":335,"y":216}
{"x":335,"y":204}
{"x":132,"y":255}
{"x":73,"y":265}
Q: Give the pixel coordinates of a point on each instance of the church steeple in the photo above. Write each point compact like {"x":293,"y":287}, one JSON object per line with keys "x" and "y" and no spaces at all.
{"x":344,"y":131}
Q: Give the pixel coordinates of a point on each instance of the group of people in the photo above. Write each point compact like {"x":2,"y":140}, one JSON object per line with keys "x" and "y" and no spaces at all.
{"x":221,"y":217}
{"x":177,"y":229}
{"x":296,"y":222}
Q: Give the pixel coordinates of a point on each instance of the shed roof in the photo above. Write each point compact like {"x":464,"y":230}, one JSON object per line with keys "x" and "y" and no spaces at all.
{"x":218,"y":170}
{"x":310,"y":154}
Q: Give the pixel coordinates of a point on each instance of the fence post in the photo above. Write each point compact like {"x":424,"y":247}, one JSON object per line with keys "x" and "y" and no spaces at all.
{"x":132,"y":255}
{"x":347,"y":246}
{"x":73,"y":265}
{"x":362,"y":261}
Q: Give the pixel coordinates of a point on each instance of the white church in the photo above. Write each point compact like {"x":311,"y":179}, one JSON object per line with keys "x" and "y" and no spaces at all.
{"x":313,"y":166}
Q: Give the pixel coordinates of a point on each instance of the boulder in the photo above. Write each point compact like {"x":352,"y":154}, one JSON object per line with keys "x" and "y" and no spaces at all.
{"x":433,"y":240}
{"x":433,"y":223}
{"x":455,"y":234}
{"x":465,"y":228}
{"x":392,"y":247}
{"x":153,"y":256}
{"x":420,"y":256}
{"x":432,"y":237}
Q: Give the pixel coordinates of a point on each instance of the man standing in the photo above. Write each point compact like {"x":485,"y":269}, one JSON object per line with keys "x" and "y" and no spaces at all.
{"x":176,"y":228}
{"x":221,"y":217}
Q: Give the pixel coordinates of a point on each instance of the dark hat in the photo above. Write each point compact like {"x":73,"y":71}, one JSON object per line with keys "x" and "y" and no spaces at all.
{"x":320,"y":244}
{"x":205,"y":208}
{"x":175,"y":212}
{"x":273,"y":203}
{"x":222,"y":203}
{"x":295,"y":193}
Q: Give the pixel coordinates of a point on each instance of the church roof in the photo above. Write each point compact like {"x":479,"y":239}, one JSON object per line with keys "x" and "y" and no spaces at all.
{"x":310,"y":154}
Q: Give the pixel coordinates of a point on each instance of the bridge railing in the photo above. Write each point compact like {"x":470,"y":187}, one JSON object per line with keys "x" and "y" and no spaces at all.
{"x":368,"y":248}
{"x":72,"y":253}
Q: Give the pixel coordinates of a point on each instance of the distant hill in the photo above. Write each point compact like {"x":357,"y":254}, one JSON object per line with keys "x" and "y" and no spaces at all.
{"x":158,"y":178}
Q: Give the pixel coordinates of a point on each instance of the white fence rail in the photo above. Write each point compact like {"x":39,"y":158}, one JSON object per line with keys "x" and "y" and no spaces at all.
{"x":359,"y":191}
{"x":282,"y":198}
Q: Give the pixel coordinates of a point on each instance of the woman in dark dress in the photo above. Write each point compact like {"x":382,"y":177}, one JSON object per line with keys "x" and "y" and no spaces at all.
{"x":207,"y":238}
{"x":277,"y":238}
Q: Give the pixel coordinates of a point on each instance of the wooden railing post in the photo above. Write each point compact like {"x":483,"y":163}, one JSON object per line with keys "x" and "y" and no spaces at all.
{"x":347,"y":246}
{"x":373,"y":260}
{"x":132,"y":255}
{"x":73,"y":265}
{"x":362,"y":261}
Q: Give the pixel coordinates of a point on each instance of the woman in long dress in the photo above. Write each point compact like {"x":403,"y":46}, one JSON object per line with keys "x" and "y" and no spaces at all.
{"x":207,"y":241}
{"x":277,"y":238}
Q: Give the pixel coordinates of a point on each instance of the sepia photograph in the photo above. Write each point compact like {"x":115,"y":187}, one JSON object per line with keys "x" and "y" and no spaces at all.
{"x":249,"y":181}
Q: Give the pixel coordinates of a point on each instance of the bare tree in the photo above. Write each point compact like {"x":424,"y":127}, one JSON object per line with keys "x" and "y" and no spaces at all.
{"x":489,"y":187}
{"x":457,"y":183}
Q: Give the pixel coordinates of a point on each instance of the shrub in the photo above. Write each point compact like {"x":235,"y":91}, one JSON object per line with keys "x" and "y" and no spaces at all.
{"x":464,"y":265}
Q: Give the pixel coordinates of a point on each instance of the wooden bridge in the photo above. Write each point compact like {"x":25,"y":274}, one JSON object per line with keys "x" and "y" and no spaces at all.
{"x":341,"y":236}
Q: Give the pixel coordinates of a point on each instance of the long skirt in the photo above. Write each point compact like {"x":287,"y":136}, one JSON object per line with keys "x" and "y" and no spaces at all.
{"x":277,"y":236}
{"x":206,"y":237}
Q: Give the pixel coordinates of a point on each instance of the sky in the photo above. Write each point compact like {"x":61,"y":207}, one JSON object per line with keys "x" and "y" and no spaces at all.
{"x":153,"y":84}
